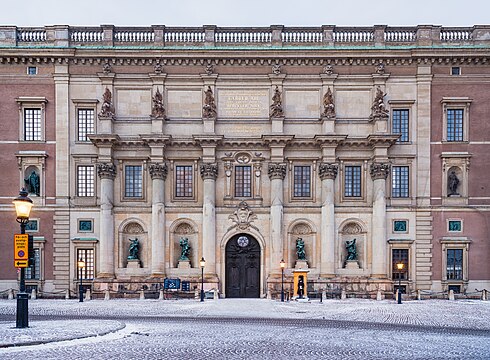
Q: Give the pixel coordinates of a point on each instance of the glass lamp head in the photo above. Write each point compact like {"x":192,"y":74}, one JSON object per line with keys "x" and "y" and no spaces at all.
{"x":283,"y":264}
{"x":202,"y":262}
{"x":400,"y":266}
{"x":81,"y":264}
{"x":23,"y":205}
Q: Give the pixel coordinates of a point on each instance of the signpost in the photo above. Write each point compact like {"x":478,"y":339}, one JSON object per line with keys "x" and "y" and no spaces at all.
{"x":21,"y":250}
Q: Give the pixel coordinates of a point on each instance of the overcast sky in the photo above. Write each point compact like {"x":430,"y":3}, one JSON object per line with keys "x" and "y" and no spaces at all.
{"x":244,"y":13}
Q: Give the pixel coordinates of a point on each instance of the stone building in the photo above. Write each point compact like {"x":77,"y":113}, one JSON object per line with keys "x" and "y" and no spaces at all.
{"x":367,"y":145}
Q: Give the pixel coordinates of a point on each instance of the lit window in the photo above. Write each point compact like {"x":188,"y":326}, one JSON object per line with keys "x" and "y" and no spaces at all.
{"x":87,"y":256}
{"x":133,"y":181}
{"x":400,"y":124}
{"x":243,"y":181}
{"x":302,"y":181}
{"x":399,"y":256}
{"x":184,"y":181}
{"x":85,"y":181}
{"x":352,"y":178}
{"x":400,"y":180}
{"x":85,"y":123}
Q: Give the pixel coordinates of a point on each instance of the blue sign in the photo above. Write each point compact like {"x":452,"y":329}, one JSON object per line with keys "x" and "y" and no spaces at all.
{"x":186,"y":286}
{"x":171,"y":284}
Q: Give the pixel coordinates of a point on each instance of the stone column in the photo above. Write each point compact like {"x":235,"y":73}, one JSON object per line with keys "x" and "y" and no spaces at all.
{"x":276,"y":172}
{"x":379,"y":173}
{"x":327,"y":173}
{"x":107,"y":173}
{"x":158,"y":173}
{"x":209,"y":173}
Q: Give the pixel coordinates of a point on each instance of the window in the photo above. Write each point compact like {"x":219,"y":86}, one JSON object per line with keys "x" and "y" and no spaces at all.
{"x":243,"y":181}
{"x":400,"y":124}
{"x":31,"y":70}
{"x":352,"y":185}
{"x":455,"y":124}
{"x":85,"y":123}
{"x":33,"y":272}
{"x":454,"y":225}
{"x":400,"y":226}
{"x":302,"y":181}
{"x":455,"y":70}
{"x":85,"y":181}
{"x":184,"y":181}
{"x":399,"y":256}
{"x":454,"y":264}
{"x":133,"y":181}
{"x":86,"y":255}
{"x":400,"y":180}
{"x":32,"y":124}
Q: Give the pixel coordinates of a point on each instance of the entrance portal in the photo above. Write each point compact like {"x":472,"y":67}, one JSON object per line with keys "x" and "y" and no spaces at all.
{"x":242,"y":267}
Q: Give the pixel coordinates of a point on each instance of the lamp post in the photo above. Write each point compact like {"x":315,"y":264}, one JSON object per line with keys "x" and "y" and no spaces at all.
{"x":202,"y":262}
{"x":81,"y":265}
{"x":283,"y":264}
{"x":400,"y":266}
{"x":23,"y":205}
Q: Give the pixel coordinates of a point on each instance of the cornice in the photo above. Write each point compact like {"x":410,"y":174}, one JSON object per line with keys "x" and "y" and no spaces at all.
{"x":277,"y":140}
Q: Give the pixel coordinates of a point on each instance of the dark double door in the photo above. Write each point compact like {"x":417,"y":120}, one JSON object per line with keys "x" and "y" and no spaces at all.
{"x":242,"y":267}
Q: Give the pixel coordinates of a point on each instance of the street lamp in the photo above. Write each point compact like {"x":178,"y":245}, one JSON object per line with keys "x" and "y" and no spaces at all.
{"x":23,"y":205}
{"x":81,"y":265}
{"x":202,"y":262}
{"x":283,"y":264}
{"x":400,"y":266}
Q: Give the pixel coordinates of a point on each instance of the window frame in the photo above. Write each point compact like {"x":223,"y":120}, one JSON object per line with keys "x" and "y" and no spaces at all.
{"x":192,"y":182}
{"x":344,"y":182}
{"x":406,"y":273}
{"x":26,"y":103}
{"x":402,"y":195}
{"x":93,"y":184}
{"x":455,"y":243}
{"x":39,"y":245}
{"x":244,"y":178}
{"x":456,"y":103}
{"x":78,"y":110}
{"x":134,"y":183}
{"x":90,"y":263}
{"x":401,"y":139}
{"x":309,"y":182}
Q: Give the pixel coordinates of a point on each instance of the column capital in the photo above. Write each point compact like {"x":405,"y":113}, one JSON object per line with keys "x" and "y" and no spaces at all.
{"x":276,"y":171}
{"x":328,"y":171}
{"x":379,"y":170}
{"x":106,"y":170}
{"x":209,"y":171}
{"x":158,"y":171}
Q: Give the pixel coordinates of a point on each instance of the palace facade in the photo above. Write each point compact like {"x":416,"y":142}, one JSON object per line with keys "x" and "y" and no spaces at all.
{"x":339,"y":151}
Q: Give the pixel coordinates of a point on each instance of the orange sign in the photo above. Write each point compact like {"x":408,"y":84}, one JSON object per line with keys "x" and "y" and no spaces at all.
{"x":21,"y":248}
{"x":20,"y":263}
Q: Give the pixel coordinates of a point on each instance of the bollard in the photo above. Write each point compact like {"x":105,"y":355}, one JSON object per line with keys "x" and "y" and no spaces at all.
{"x":107,"y":295}
{"x":324,"y":295}
{"x":269,"y":297}
{"x":419,"y":295}
{"x":484,"y":295}
{"x":67,"y":294}
{"x":379,"y":297}
{"x":343,"y":295}
{"x":216,"y":294}
{"x":88,"y":296}
{"x":11,"y":294}
{"x":160,"y":295}
{"x":33,"y":294}
{"x":451,"y":295}
{"x":142,"y":295}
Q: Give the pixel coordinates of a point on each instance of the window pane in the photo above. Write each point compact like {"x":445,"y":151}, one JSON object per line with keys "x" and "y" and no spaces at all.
{"x":352,"y":186}
{"x":33,"y":272}
{"x":133,"y":177}
{"x":86,"y":255}
{"x":399,"y":185}
{"x":399,"y":256}
{"x":455,"y":125}
{"x":455,"y":264}
{"x":85,"y":181}
{"x":32,"y":124}
{"x":183,"y":181}
{"x":400,"y":124}
{"x":243,"y":181}
{"x":85,"y":123}
{"x":302,"y":175}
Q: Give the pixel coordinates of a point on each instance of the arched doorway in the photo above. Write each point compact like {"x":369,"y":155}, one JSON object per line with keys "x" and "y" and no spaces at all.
{"x":242,"y":267}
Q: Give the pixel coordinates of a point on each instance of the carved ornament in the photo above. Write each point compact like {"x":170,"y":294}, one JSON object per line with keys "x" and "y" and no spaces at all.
{"x":378,"y":110}
{"x":209,"y":108}
{"x":379,"y":171}
{"x":107,"y":110}
{"x":158,"y":171}
{"x":276,"y":171}
{"x":209,"y":171}
{"x":158,"y":110}
{"x":328,"y":105}
{"x":276,"y":107}
{"x":242,"y":217}
{"x":328,"y":171}
{"x":106,"y":170}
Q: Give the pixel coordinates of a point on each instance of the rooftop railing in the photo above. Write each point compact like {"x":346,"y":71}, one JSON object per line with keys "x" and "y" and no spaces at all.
{"x":210,"y":35}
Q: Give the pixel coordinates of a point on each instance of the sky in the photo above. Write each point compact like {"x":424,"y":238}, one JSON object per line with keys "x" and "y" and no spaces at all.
{"x":244,"y":12}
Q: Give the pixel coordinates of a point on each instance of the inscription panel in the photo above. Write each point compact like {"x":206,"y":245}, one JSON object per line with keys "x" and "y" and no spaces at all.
{"x":243,"y":103}
{"x":184,"y":104}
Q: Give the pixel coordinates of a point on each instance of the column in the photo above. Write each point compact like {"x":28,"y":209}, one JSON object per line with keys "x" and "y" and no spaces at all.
{"x":276,"y":172}
{"x":328,"y":173}
{"x":107,"y":173}
{"x":158,"y":173}
{"x":379,"y":173}
{"x":209,"y":173}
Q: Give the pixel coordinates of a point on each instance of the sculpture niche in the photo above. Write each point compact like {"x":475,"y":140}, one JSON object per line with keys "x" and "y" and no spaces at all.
{"x":32,"y":183}
{"x":185,"y":248}
{"x":301,"y":254}
{"x":351,"y":259}
{"x":133,"y":257}
{"x":452,"y":184}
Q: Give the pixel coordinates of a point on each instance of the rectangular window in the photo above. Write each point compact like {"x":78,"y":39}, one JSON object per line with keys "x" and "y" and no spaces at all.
{"x":352,"y":184}
{"x":32,"y":124}
{"x":184,"y":181}
{"x":33,"y":272}
{"x":455,"y":124}
{"x":400,"y":124}
{"x":243,"y":181}
{"x":87,"y":256}
{"x":455,"y":70}
{"x":85,"y":123}
{"x":85,"y":181}
{"x":302,"y":181}
{"x":454,"y":269}
{"x":400,"y":180}
{"x":133,"y":181}
{"x":32,"y":70}
{"x":399,"y":256}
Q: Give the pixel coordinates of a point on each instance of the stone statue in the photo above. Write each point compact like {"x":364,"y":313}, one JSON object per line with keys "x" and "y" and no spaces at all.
{"x":134,"y":249}
{"x":452,"y":184}
{"x":328,"y":105}
{"x":107,"y":106}
{"x":300,"y":249}
{"x":185,"y":248}
{"x":209,"y":108}
{"x":158,"y":110}
{"x":301,"y":286}
{"x":351,"y":250}
{"x":276,"y":107}
{"x":32,"y":183}
{"x":378,"y":110}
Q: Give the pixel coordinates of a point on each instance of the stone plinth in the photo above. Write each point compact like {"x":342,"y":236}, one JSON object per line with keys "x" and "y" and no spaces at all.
{"x":301,"y":264}
{"x":352,"y":265}
{"x":133,"y":264}
{"x":184,"y":264}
